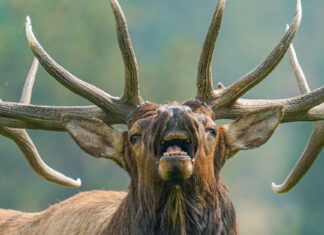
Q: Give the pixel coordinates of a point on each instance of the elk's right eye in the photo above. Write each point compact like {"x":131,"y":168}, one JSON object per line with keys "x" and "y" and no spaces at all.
{"x":135,"y":138}
{"x":212,"y":131}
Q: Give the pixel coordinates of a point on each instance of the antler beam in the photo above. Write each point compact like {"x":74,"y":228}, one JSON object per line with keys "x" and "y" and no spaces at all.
{"x":299,"y":108}
{"x":30,"y":116}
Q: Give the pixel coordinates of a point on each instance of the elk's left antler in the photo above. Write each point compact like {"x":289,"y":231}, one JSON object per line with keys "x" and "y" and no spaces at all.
{"x":316,"y":141}
{"x":226,"y":103}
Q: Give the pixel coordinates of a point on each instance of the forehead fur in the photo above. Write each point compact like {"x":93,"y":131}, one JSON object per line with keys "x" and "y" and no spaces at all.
{"x":143,"y":111}
{"x":199,"y":107}
{"x":149,"y":109}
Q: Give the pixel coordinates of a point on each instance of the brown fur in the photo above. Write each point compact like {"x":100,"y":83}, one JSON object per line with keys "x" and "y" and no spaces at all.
{"x":85,"y":213}
{"x":197,"y":205}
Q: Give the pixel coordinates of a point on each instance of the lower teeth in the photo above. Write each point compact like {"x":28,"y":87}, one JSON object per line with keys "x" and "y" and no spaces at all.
{"x":175,"y":154}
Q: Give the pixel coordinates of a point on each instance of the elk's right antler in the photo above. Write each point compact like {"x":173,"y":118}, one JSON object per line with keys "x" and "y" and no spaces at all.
{"x":26,"y":145}
{"x":111,"y":109}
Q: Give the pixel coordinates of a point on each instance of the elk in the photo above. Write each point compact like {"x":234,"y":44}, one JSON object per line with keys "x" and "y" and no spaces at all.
{"x":173,"y":152}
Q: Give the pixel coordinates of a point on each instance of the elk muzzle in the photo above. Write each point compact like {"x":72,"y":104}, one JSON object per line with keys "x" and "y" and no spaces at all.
{"x":177,"y":144}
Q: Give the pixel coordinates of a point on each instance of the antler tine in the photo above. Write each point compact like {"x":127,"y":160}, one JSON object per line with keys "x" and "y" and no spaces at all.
{"x":229,"y":95}
{"x":298,"y":72}
{"x":312,"y":150}
{"x":26,"y":145}
{"x":95,"y":95}
{"x":316,"y":141}
{"x":29,"y":83}
{"x":205,"y":88}
{"x":131,"y":90}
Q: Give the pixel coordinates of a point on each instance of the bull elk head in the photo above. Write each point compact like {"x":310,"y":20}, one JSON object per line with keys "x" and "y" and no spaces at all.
{"x":173,"y":152}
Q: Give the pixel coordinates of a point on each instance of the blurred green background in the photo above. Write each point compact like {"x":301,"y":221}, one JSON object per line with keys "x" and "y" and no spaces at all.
{"x":167,"y":37}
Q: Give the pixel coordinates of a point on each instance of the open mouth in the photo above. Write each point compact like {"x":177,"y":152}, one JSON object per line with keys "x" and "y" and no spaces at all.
{"x":176,"y":144}
{"x":175,"y":159}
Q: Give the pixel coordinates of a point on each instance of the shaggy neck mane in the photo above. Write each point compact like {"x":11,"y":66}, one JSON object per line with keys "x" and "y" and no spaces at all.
{"x":180,"y":210}
{"x":184,"y":211}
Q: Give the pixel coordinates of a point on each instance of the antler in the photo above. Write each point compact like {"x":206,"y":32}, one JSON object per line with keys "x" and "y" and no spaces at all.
{"x":108,"y":103}
{"x":205,"y":90}
{"x":131,"y":91}
{"x":226,"y":102}
{"x":26,"y":145}
{"x":112,"y":110}
{"x":316,"y":141}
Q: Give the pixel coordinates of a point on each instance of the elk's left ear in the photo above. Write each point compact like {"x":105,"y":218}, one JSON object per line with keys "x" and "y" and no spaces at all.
{"x":252,"y":129}
{"x":95,"y":137}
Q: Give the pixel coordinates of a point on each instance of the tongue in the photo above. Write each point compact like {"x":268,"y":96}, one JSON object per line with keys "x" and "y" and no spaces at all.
{"x":174,"y":148}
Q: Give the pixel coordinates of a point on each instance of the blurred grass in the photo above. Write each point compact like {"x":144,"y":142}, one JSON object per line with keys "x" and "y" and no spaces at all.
{"x":167,"y":38}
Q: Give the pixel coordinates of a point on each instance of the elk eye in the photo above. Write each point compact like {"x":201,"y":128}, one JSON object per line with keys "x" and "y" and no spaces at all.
{"x":135,"y":138}
{"x":212,"y":131}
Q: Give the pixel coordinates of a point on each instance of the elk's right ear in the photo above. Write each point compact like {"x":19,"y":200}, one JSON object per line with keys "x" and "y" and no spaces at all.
{"x":95,"y":137}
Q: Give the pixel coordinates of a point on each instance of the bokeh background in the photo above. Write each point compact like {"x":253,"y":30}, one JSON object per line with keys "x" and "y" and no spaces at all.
{"x":167,"y":37}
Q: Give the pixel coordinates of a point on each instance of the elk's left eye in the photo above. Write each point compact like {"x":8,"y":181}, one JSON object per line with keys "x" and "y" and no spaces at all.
{"x":212,"y":131}
{"x":135,"y":138}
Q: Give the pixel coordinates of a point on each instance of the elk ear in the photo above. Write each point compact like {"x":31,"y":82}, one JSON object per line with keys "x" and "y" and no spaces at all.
{"x":95,"y":137}
{"x":253,"y":129}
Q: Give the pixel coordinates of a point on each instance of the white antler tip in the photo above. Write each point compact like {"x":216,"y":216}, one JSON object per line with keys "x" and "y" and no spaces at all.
{"x":298,"y":6}
{"x":276,"y":188}
{"x":273,"y":186}
{"x":29,"y":32}
{"x":28,"y":22}
{"x":71,"y":183}
{"x":78,"y":183}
